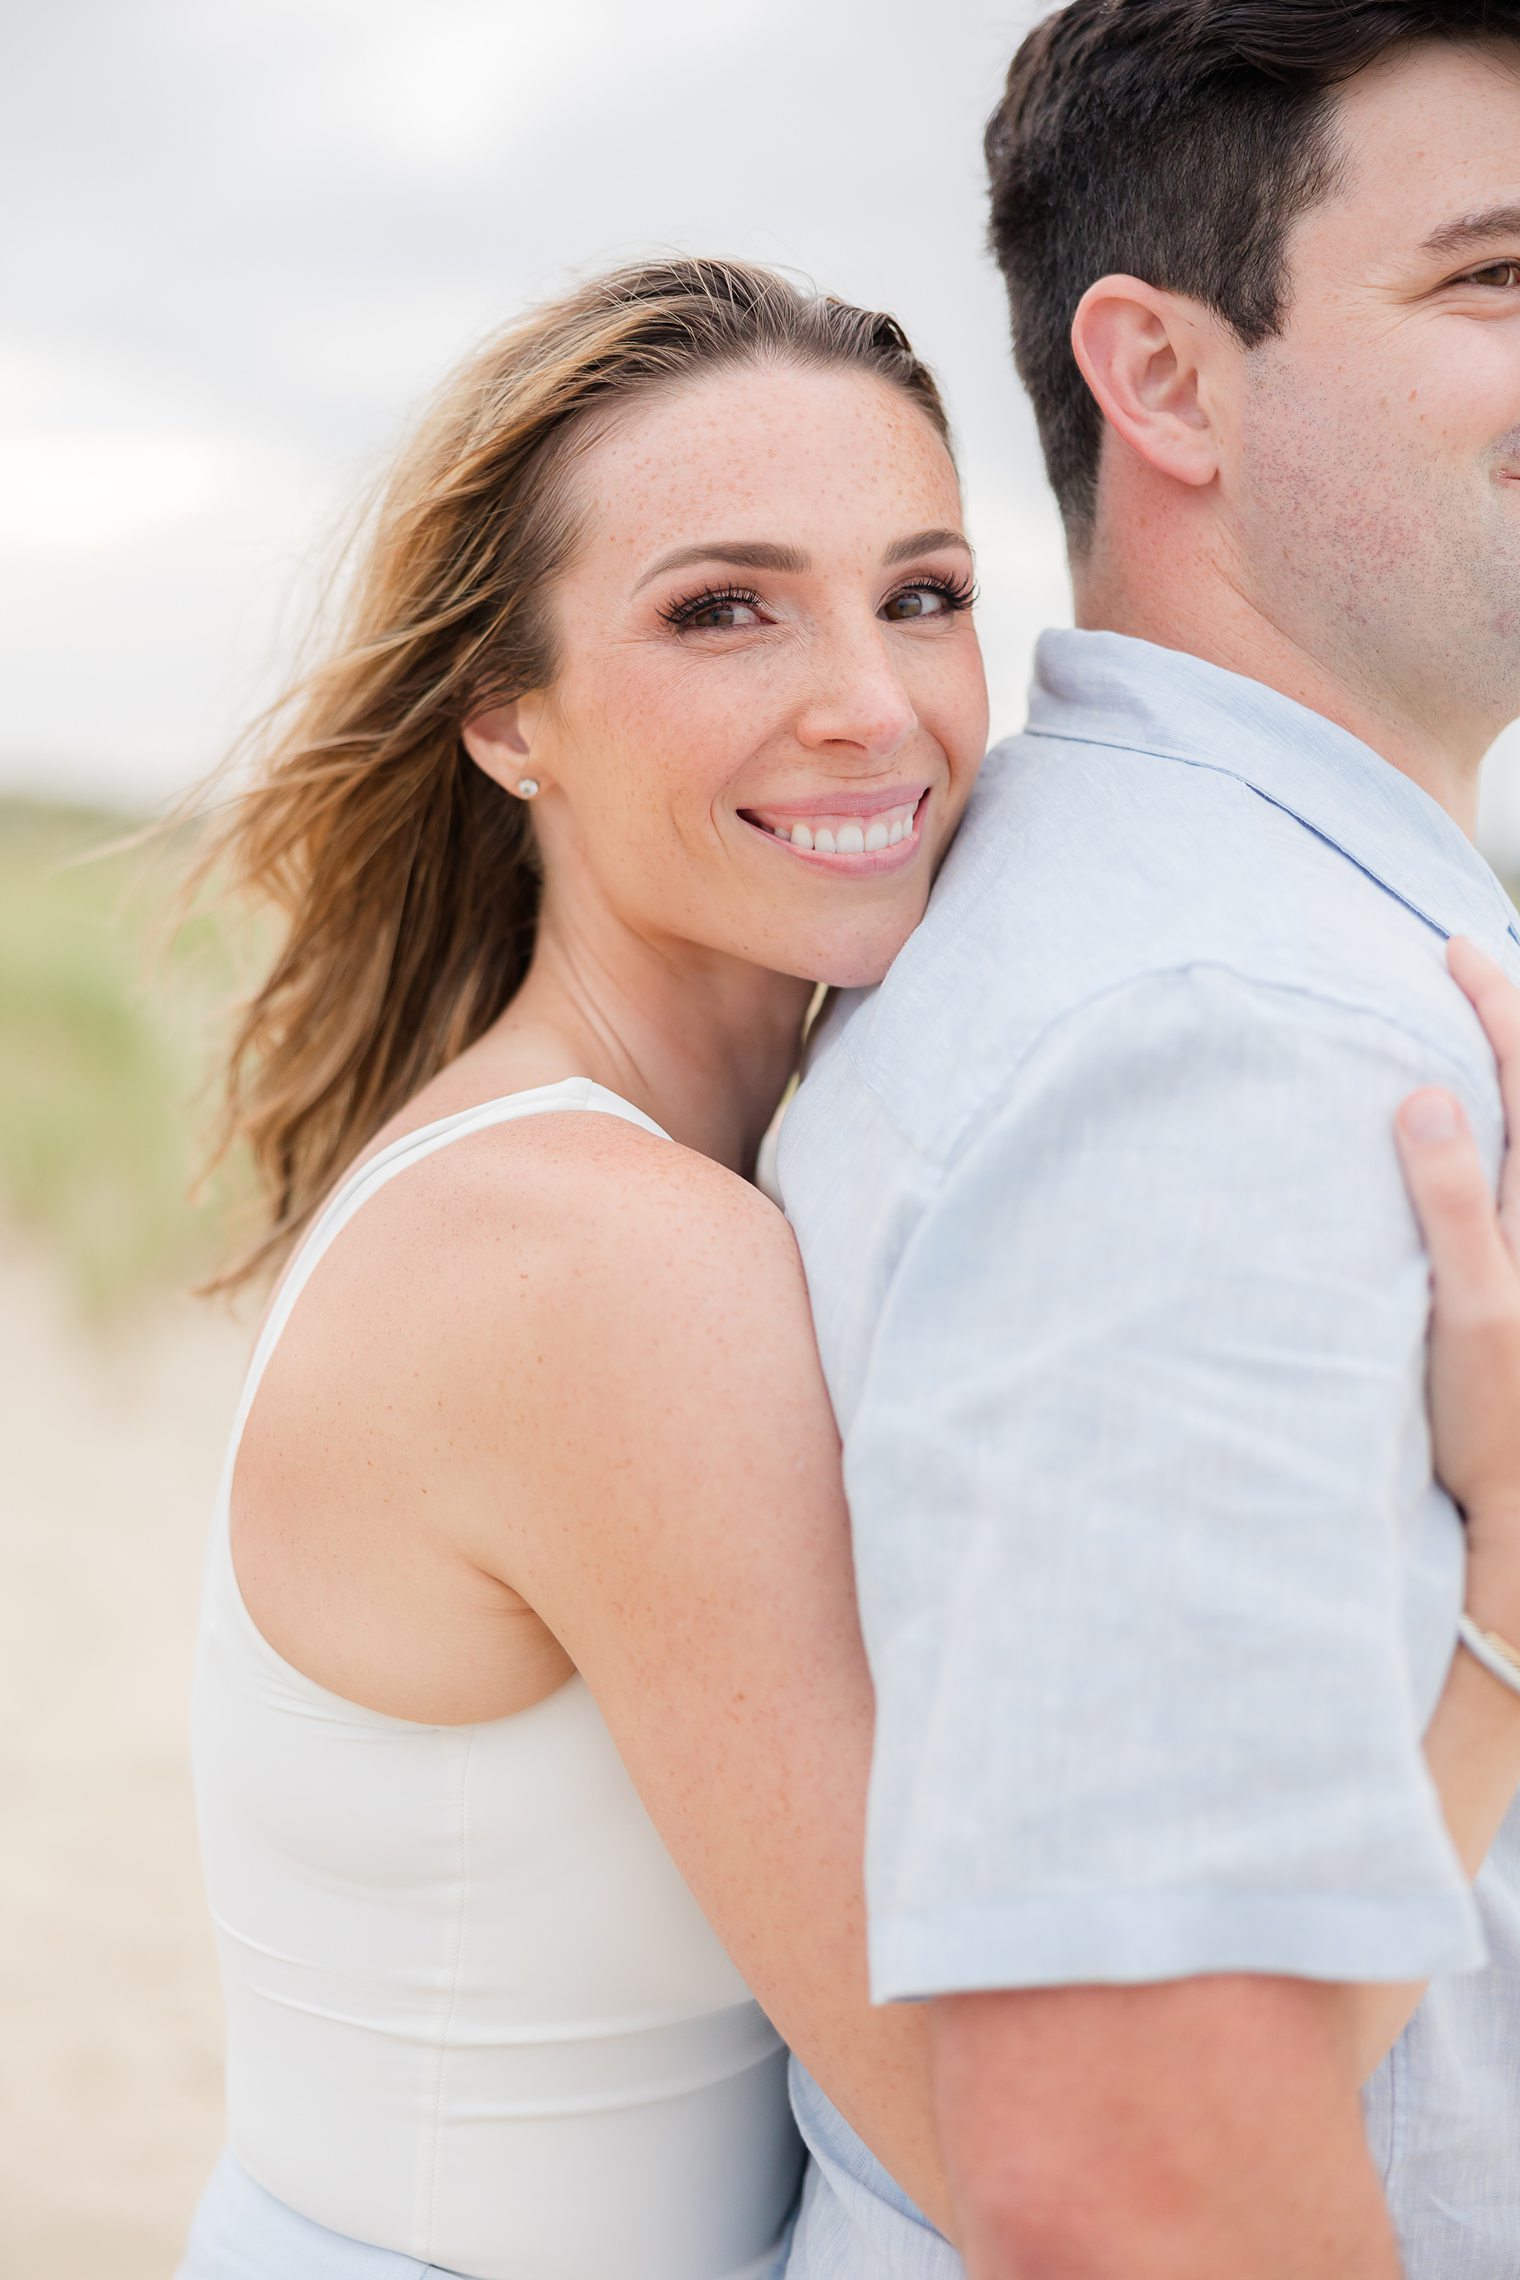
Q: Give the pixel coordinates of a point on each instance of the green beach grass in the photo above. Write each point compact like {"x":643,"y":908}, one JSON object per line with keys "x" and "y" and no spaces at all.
{"x":108,"y":1030}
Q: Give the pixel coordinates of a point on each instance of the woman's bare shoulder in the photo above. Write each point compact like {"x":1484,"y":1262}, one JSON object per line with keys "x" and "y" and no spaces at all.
{"x":589,"y":1311}
{"x":539,"y":1228}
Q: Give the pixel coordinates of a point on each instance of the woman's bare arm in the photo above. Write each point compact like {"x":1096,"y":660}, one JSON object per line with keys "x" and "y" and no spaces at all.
{"x":655,"y":1468}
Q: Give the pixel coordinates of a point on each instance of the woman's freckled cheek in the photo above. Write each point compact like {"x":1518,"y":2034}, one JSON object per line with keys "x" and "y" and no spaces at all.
{"x":660,"y":727}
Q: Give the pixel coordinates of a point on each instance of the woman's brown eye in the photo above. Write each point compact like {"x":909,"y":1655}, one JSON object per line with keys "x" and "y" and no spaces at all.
{"x":1500,"y":273}
{"x":918,"y":602}
{"x":719,"y":616}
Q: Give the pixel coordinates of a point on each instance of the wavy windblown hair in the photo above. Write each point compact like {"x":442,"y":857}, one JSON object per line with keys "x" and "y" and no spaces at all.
{"x":406,"y":880}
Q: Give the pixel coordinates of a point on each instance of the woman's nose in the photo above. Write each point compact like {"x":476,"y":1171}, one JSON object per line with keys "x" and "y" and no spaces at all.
{"x":858,"y":699}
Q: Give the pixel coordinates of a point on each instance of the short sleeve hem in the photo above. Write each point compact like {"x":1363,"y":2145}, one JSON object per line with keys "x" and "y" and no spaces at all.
{"x":1131,"y":1937}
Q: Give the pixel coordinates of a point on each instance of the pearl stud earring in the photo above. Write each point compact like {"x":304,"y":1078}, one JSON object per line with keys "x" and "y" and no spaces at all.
{"x":527,"y":787}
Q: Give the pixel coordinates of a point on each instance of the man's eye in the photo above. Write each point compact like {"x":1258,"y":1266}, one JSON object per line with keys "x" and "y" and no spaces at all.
{"x":1502,"y":275}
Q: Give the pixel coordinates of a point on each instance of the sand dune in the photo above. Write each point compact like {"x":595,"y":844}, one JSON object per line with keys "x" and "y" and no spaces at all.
{"x":109,"y":2059}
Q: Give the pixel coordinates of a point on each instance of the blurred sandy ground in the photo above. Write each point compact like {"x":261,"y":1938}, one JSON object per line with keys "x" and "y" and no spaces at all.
{"x":109,"y":2025}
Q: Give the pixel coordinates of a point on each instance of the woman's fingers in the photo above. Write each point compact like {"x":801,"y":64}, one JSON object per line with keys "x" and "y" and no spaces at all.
{"x":1474,"y":1380}
{"x":1496,"y":1002}
{"x":1475,"y":1273}
{"x":1473,"y":1270}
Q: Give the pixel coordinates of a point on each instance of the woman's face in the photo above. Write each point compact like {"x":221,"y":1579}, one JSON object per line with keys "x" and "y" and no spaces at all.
{"x":770,"y":705}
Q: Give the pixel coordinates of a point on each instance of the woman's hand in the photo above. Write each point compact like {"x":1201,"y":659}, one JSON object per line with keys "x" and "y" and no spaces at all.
{"x":1475,"y":1273}
{"x":1472,"y":1744}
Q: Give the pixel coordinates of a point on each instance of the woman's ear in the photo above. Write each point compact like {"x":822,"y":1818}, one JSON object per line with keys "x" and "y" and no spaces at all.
{"x":1149,"y":358}
{"x":500,"y":739}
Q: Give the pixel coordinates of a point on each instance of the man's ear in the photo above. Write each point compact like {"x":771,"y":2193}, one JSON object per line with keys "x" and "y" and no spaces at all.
{"x":500,"y":740}
{"x":1148,"y":358}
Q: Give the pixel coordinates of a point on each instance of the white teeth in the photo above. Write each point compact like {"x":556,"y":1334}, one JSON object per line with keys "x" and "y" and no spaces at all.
{"x":847,"y":837}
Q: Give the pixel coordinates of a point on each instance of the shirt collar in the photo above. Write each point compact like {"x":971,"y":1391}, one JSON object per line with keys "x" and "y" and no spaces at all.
{"x":1106,"y":688}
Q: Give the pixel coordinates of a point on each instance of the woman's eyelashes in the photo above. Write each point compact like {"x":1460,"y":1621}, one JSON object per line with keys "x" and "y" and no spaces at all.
{"x":730,"y":609}
{"x":929,"y":598}
{"x":715,"y":610}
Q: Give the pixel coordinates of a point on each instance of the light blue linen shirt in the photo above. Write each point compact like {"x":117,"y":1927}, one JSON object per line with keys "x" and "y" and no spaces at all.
{"x":1123,"y":1310}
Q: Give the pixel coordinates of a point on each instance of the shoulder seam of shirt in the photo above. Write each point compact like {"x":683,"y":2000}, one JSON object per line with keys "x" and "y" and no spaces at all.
{"x":1247,"y":788}
{"x":993,"y":1099}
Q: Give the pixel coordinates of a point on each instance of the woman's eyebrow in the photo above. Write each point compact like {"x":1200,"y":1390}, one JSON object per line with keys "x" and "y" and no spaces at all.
{"x":924,"y":542}
{"x":761,"y":554}
{"x":738,"y":553}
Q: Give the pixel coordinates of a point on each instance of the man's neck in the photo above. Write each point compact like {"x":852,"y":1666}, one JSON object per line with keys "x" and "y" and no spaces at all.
{"x":1213,"y":618}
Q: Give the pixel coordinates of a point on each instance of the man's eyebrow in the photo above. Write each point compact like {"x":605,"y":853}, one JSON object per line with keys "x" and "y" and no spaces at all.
{"x":924,"y":542}
{"x":738,"y":553}
{"x":1470,"y":232}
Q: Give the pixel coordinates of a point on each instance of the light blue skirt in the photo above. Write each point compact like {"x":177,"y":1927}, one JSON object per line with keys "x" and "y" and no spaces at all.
{"x":241,"y":2232}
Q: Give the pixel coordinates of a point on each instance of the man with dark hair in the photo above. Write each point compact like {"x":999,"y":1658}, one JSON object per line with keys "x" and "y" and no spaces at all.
{"x":1116,"y":1280}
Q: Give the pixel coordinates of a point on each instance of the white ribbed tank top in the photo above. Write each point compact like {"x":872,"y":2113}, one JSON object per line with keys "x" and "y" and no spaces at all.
{"x":473,"y":2013}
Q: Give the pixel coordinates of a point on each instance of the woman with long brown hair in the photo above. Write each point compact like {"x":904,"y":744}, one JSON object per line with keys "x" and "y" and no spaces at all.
{"x":529,"y":1610}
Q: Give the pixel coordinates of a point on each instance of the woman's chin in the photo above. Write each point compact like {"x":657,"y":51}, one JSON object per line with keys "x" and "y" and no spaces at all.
{"x":839,"y":955}
{"x":860,"y":966}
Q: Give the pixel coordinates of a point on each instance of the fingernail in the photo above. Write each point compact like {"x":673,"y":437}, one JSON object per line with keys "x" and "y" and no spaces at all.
{"x":1429,"y":1118}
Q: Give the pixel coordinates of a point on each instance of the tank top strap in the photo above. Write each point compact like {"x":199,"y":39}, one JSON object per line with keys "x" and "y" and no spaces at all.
{"x":355,"y":1190}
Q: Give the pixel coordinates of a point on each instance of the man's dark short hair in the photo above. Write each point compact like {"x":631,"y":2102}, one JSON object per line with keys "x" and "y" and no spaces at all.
{"x":1178,"y":141}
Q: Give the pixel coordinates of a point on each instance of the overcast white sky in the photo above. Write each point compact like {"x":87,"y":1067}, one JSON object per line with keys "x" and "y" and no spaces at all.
{"x":245,"y":237}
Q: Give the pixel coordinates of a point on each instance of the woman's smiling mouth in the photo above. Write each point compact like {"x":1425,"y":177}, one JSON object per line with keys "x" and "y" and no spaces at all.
{"x":859,"y":832}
